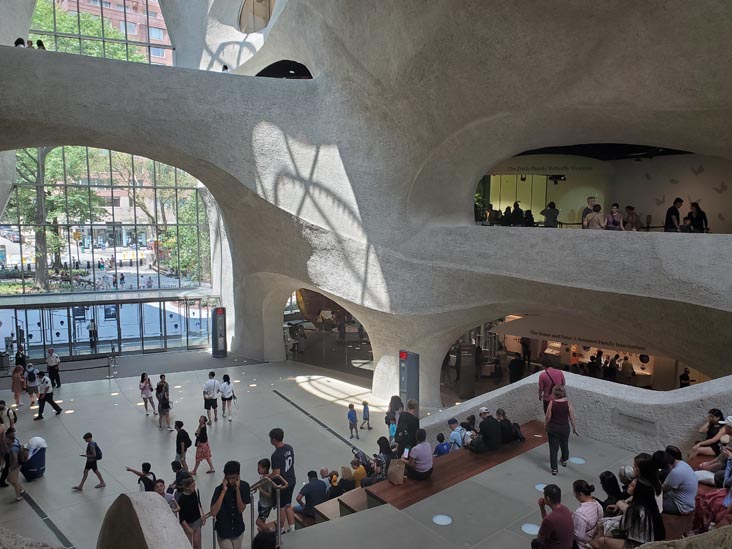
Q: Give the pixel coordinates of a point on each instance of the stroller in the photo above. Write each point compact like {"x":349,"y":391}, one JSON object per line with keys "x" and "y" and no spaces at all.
{"x":35,"y":467}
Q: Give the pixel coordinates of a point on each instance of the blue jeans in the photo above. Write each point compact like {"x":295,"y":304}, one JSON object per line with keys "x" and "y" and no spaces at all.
{"x":307,"y":511}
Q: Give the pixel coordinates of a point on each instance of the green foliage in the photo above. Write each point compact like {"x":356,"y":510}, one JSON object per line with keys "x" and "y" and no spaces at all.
{"x":90,"y":26}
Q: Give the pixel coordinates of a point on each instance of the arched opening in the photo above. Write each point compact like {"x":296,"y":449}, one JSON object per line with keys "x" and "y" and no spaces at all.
{"x":560,"y":186}
{"x":87,"y":223}
{"x":287,"y":69}
{"x":505,"y":350}
{"x":255,"y":15}
{"x":319,"y":331}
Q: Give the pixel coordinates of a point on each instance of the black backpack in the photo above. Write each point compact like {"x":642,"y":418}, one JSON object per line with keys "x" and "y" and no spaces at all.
{"x":188,"y":442}
{"x":32,"y":376}
{"x":148,"y":483}
{"x":98,"y":451}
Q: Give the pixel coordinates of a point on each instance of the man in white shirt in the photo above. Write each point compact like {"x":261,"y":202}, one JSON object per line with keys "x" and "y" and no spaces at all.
{"x":45,"y":397}
{"x":211,"y":390}
{"x":53,"y":362}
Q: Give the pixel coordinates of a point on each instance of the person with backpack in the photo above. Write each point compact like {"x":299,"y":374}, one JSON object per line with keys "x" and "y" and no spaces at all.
{"x":407,"y":426}
{"x":162,"y":392}
{"x":182,"y":443}
{"x":549,"y":379}
{"x":457,"y":434}
{"x":32,"y":380}
{"x":17,"y":456}
{"x":93,"y":455}
{"x":146,"y":478}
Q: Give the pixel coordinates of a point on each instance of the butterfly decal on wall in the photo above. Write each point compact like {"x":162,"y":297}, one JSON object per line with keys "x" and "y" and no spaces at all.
{"x":698,"y":171}
{"x":673,"y":181}
{"x":661,"y":201}
{"x":722,"y":188}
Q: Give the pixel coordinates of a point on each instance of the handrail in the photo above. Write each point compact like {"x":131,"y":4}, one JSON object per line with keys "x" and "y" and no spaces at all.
{"x":281,"y":484}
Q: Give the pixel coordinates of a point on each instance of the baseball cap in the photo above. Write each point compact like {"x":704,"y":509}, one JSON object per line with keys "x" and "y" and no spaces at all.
{"x":726,"y":421}
{"x":484,"y":410}
{"x":452,"y":421}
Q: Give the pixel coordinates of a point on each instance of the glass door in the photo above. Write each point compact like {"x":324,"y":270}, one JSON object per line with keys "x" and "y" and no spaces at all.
{"x":153,"y":335}
{"x":107,"y":324}
{"x":57,"y":331}
{"x":83,"y":327}
{"x":175,"y":325}
{"x":197,"y":318}
{"x":130,"y":324}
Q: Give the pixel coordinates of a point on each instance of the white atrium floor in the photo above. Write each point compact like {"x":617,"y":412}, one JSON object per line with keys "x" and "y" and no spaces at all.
{"x":488,"y":510}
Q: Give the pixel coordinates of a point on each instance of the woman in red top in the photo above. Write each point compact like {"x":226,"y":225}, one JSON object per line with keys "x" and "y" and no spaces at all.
{"x":559,"y":416}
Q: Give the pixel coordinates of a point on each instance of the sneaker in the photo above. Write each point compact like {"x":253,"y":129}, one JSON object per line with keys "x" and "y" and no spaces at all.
{"x":223,"y":415}
{"x":370,"y":428}
{"x":154,"y":413}
{"x":563,"y":462}
{"x":100,"y":485}
{"x":229,"y":418}
{"x":215,"y":419}
{"x":351,"y":437}
{"x":160,"y":428}
{"x":554,"y":472}
{"x":361,"y":427}
{"x":209,"y":423}
{"x":59,"y":411}
{"x":170,"y":429}
{"x":76,"y":488}
{"x":37,"y":418}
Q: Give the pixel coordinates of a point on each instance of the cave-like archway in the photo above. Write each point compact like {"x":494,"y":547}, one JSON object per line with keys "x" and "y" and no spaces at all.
{"x":287,"y":69}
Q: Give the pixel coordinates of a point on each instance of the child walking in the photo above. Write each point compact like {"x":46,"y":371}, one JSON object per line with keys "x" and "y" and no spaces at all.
{"x":266,"y":501}
{"x":366,"y":415}
{"x":352,"y":420}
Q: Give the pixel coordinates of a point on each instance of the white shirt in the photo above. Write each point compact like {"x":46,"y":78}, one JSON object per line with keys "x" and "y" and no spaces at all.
{"x":53,"y":360}
{"x":211,"y":388}
{"x":44,"y":385}
{"x":227,"y":390}
{"x":28,"y":381}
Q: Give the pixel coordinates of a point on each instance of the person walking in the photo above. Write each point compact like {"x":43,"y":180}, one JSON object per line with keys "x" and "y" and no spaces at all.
{"x":32,"y":379}
{"x":549,"y":379}
{"x":228,"y":503}
{"x":46,"y":397}
{"x":366,"y":416}
{"x":211,"y":390}
{"x":203,"y":450}
{"x":15,"y":457}
{"x":227,"y":395}
{"x":559,"y":417}
{"x":146,"y":392}
{"x":162,"y":393}
{"x":182,"y":443}
{"x":352,"y":420}
{"x":93,"y":455}
{"x":17,"y":385}
{"x":191,"y":515}
{"x":54,"y":363}
{"x":672,"y":223}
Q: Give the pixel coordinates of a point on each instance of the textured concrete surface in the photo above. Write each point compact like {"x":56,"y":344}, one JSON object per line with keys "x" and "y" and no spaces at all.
{"x":359,"y":183}
{"x":634,"y":419}
{"x":10,"y":540}
{"x":142,"y":520}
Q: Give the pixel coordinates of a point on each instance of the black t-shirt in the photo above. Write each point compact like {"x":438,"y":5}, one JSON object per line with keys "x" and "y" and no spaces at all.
{"x":506,"y":430}
{"x":283,"y":458}
{"x":515,"y":369}
{"x":490,"y":430}
{"x":202,"y":436}
{"x":182,"y":438}
{"x":314,"y":493}
{"x":684,"y":380}
{"x":229,"y":521}
{"x":189,"y":507}
{"x":407,"y":430}
{"x":671,"y":213}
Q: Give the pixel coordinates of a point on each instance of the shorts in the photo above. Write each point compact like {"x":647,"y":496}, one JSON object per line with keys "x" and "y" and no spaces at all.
{"x":163,"y":411}
{"x":210,"y":403}
{"x":32,"y":390}
{"x":91,"y":466}
{"x":180,"y":457}
{"x":224,"y":399}
{"x":195,"y":525}
{"x":286,"y":496}
{"x":264,"y":511}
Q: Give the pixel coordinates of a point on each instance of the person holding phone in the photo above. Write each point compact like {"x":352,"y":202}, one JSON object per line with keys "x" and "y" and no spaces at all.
{"x":228,"y":503}
{"x":418,"y":459}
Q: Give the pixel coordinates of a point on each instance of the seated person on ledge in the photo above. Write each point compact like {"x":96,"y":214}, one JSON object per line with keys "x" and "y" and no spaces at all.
{"x":419,"y":462}
{"x":557,"y":527}
{"x":311,"y":495}
{"x":489,"y":431}
{"x":680,"y":486}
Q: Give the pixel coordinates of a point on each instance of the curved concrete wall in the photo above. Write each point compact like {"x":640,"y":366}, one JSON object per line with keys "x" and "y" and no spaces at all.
{"x":359,"y":183}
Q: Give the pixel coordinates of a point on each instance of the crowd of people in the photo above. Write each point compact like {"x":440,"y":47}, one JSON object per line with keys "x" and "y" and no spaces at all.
{"x":594,"y":218}
{"x":22,"y":43}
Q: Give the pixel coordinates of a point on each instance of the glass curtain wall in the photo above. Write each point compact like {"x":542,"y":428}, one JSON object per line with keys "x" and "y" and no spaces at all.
{"x":128,"y":30}
{"x":81,"y":220}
